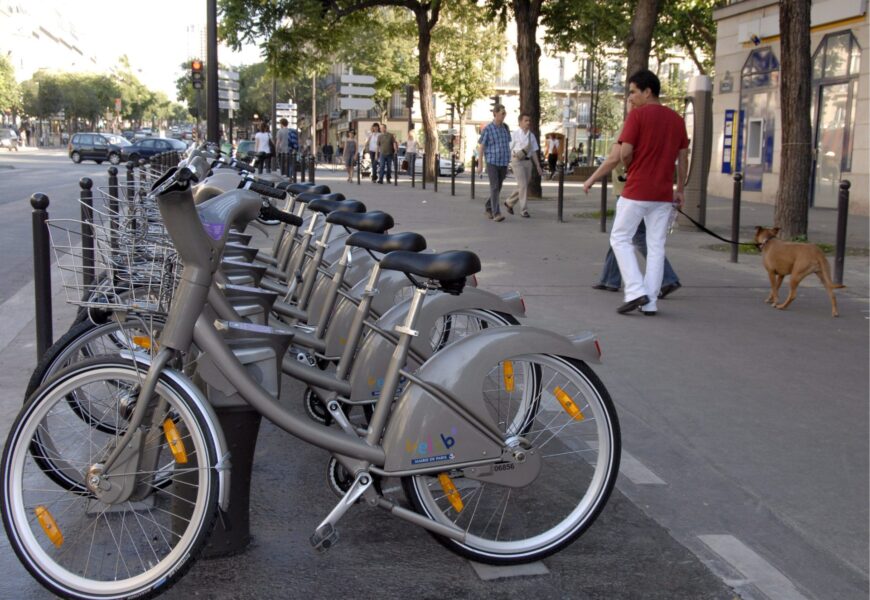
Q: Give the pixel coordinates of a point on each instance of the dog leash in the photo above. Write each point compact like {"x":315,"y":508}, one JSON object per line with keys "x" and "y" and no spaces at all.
{"x":713,"y":233}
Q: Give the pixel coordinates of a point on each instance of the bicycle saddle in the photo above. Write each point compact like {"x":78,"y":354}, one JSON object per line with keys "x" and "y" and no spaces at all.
{"x":383,"y":243}
{"x":449,"y":268}
{"x":299,"y":188}
{"x":376,"y":221}
{"x":306,"y":197}
{"x":326,"y":206}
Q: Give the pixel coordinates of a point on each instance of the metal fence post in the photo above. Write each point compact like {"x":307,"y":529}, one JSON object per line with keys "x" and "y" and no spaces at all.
{"x":311,"y":167}
{"x":41,"y":274}
{"x":473,"y":174}
{"x":452,"y":174}
{"x":359,"y":169}
{"x":413,"y":169}
{"x":396,"y":171}
{"x":437,"y":168}
{"x":560,"y":201}
{"x":142,"y":163}
{"x":87,"y":214}
{"x":423,"y":178}
{"x":735,"y":215}
{"x":131,"y":182}
{"x":842,"y":219}
{"x":604,"y":205}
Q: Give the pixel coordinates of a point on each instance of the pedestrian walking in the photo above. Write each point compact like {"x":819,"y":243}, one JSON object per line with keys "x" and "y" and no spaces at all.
{"x":611,"y":279}
{"x":552,"y":152}
{"x":349,"y":154}
{"x":524,"y":153}
{"x":494,"y":147}
{"x":411,"y":150}
{"x":371,"y":146}
{"x":387,"y":148}
{"x":293,"y":149}
{"x":282,"y":146}
{"x":652,"y":140}
{"x":263,"y":148}
{"x":327,"y":154}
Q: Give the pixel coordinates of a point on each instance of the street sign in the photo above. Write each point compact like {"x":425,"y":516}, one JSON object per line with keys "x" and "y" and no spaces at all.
{"x":360,"y":79}
{"x":223,"y":84}
{"x":228,"y":95}
{"x":350,"y":90}
{"x":223,"y":74}
{"x":228,"y":105}
{"x":285,"y":106}
{"x":357,"y":103}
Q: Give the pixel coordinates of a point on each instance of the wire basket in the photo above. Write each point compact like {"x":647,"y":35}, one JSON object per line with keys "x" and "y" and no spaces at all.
{"x":132,"y":266}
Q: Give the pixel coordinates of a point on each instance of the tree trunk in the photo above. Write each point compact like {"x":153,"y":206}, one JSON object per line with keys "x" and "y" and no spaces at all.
{"x":639,"y":40}
{"x":427,"y":110}
{"x":460,"y":151}
{"x":526,"y":14}
{"x":792,"y":197}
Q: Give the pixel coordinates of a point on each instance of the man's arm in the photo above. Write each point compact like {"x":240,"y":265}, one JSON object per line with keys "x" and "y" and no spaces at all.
{"x":626,"y":153}
{"x":605,"y":168}
{"x":682,"y":173}
{"x":480,"y":158}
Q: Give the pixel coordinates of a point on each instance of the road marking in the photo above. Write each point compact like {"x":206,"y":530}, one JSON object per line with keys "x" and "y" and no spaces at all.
{"x":491,"y":572}
{"x":636,"y":472}
{"x":18,"y":311}
{"x":757,"y":571}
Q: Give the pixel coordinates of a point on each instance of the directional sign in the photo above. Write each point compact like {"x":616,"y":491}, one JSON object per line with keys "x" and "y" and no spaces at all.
{"x":285,"y":106}
{"x":357,"y":103}
{"x":228,"y":95}
{"x":360,"y":79}
{"x":223,"y":84}
{"x":228,"y":105}
{"x":223,"y":74}
{"x":350,"y":90}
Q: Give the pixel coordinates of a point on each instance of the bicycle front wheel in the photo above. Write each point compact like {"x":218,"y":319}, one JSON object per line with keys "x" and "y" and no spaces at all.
{"x":556,"y":408}
{"x":146,"y":533}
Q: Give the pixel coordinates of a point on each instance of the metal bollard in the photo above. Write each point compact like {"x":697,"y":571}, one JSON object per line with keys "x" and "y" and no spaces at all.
{"x":604,"y":205}
{"x":437,"y":168}
{"x":131,"y":182}
{"x":87,"y":214}
{"x":311,"y":166}
{"x":396,"y":170}
{"x":452,"y":174}
{"x":413,"y":169}
{"x":560,"y":199}
{"x":142,"y":184}
{"x":423,"y":178}
{"x":473,"y":174}
{"x":359,"y":170}
{"x":41,"y":274}
{"x":113,"y":205}
{"x":735,"y":215}
{"x":842,"y":219}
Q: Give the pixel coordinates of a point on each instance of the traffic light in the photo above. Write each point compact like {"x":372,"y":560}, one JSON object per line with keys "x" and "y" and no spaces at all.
{"x":196,"y":73}
{"x":496,"y":100}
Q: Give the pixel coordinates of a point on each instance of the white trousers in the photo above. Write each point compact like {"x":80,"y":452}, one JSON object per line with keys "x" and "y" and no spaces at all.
{"x":629,"y":214}
{"x":523,"y":173}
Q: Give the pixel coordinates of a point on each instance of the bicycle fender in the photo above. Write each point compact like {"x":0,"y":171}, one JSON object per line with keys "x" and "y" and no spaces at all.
{"x":424,"y":431}
{"x":223,"y":466}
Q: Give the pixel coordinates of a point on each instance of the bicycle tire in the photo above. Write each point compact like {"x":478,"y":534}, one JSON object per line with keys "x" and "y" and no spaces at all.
{"x":95,"y":535}
{"x":538,"y":528}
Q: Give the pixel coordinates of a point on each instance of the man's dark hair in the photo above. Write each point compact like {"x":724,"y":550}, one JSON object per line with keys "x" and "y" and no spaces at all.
{"x":524,"y":115}
{"x":646,"y":80}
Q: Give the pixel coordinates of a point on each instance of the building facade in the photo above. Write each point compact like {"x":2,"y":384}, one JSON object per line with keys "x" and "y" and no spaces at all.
{"x":747,"y":124}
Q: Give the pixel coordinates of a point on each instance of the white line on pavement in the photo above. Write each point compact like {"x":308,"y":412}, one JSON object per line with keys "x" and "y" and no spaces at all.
{"x":490,"y":572}
{"x":18,"y":311}
{"x":636,"y":472}
{"x":760,"y":573}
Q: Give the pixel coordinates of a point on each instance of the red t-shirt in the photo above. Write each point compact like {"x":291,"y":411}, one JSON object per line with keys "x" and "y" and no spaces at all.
{"x":657,"y":135}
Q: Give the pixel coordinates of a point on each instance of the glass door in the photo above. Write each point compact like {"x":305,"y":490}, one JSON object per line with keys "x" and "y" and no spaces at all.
{"x":831,"y":132}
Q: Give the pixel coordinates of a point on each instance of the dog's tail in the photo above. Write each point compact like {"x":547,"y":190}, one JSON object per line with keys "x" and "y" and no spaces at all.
{"x":826,"y":274}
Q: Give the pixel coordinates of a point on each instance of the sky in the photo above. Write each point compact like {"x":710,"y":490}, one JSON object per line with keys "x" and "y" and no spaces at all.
{"x":162,"y":34}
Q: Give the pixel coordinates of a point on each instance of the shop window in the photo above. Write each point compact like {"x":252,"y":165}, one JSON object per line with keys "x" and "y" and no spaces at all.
{"x":754,"y":143}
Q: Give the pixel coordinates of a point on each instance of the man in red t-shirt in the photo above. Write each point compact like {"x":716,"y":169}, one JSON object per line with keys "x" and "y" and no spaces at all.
{"x":653,"y":139}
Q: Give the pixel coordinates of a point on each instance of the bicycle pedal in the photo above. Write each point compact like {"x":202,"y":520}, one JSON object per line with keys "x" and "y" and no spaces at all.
{"x":324,"y":538}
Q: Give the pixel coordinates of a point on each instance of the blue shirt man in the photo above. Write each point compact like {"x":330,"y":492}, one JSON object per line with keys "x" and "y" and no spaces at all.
{"x":495,"y":149}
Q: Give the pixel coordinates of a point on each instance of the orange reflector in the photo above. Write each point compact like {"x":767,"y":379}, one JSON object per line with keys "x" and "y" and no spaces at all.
{"x":507,"y":369}
{"x":49,"y":525}
{"x":143,"y":341}
{"x":451,"y":491}
{"x":568,"y":404}
{"x":175,"y":443}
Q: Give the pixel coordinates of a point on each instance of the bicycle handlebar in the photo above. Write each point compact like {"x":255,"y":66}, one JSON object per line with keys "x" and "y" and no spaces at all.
{"x":263,"y":189}
{"x":270,"y":213}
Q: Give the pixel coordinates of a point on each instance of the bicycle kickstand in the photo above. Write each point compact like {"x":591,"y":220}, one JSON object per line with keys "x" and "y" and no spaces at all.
{"x":326,"y":535}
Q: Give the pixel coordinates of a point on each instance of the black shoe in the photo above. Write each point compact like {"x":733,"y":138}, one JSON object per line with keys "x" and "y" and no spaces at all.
{"x":668,"y":289}
{"x":648,"y":313}
{"x":608,"y":288}
{"x":633,"y":305}
{"x":488,"y":213}
{"x":509,"y":208}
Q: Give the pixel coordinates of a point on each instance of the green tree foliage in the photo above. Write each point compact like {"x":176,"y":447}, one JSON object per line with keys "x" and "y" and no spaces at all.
{"x":10,"y":94}
{"x":81,"y":96}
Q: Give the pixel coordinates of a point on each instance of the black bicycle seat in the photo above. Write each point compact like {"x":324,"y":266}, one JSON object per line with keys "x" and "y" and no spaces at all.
{"x":375,"y":221}
{"x":446,"y":267}
{"x":306,"y":197}
{"x":381,"y":242}
{"x":299,"y":188}
{"x":322,"y":205}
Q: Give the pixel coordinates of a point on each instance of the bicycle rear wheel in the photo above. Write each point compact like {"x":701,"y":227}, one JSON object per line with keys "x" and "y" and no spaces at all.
{"x":557,"y":408}
{"x":138,"y":543}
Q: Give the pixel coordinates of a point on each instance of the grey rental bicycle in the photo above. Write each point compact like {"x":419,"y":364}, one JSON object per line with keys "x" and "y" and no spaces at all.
{"x":506,"y":442}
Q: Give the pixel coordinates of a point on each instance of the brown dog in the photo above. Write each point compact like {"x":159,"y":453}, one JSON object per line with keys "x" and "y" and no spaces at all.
{"x":795,"y":259}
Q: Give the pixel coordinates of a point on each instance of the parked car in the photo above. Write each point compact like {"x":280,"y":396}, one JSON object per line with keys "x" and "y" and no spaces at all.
{"x":96,"y":147}
{"x":148,"y":147}
{"x":9,"y":139}
{"x":443,"y":166}
{"x":128,"y":134}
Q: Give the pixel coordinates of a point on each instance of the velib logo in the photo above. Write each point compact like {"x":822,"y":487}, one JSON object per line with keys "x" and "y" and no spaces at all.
{"x":439,"y":445}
